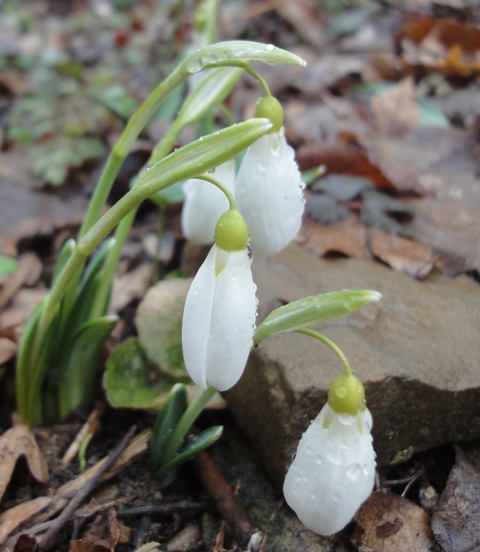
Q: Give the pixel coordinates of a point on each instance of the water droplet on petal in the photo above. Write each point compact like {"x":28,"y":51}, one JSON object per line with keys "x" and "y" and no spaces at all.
{"x":346,"y":419}
{"x":367,"y":468}
{"x":212,"y":171}
{"x":304,"y":478}
{"x":308,"y":449}
{"x":148,"y":167}
{"x":294,"y":455}
{"x":335,"y":456}
{"x":353,"y":471}
{"x":261,"y":166}
{"x":337,"y":497}
{"x":344,"y":444}
{"x":269,"y":47}
{"x":319,"y":459}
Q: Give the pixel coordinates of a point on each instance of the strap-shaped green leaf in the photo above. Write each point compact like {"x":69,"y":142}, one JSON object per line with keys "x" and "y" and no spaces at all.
{"x":193,"y":445}
{"x":166,"y":421}
{"x":313,"y":310}
{"x":81,"y":356}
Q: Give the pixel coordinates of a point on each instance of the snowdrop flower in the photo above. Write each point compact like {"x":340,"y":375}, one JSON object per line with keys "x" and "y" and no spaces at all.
{"x":220,"y":309}
{"x":268,"y":187}
{"x":205,"y":203}
{"x":333,"y":471}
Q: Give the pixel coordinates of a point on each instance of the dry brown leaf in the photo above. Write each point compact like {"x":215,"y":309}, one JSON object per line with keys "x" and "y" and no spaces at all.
{"x":14,"y":517}
{"x":19,"y":441}
{"x":130,"y":286}
{"x":391,"y":523}
{"x":456,"y":518}
{"x":118,"y":534}
{"x":21,"y":307}
{"x":347,"y":237}
{"x":304,"y":16}
{"x":46,"y":507}
{"x":412,"y":258}
{"x":8,"y":349}
{"x":28,"y":271}
{"x":342,"y":158}
{"x":440,"y":45}
{"x":395,"y":110}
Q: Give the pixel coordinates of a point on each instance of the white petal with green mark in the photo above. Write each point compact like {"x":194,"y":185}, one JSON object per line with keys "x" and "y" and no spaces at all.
{"x":219,"y":319}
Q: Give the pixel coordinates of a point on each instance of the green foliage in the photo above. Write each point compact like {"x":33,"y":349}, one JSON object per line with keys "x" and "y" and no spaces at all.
{"x":164,"y":460}
{"x":131,"y":380}
{"x":7,"y":265}
{"x":313,"y":310}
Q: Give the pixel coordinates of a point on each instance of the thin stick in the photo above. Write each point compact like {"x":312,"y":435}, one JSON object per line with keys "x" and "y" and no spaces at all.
{"x":227,"y":503}
{"x":48,"y":541}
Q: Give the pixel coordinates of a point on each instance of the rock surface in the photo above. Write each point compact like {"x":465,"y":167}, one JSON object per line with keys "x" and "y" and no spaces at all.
{"x":416,"y":352}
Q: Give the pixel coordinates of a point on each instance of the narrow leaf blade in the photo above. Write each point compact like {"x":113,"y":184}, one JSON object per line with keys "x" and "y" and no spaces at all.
{"x":313,"y":310}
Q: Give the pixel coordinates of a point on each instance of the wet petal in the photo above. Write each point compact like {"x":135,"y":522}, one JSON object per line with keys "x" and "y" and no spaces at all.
{"x":204,"y":204}
{"x":219,"y":318}
{"x":333,"y":471}
{"x":196,"y":319}
{"x":232,"y":322}
{"x":269,"y":194}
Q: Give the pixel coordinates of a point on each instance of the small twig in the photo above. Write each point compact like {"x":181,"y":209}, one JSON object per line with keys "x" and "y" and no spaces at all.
{"x":227,"y":503}
{"x":263,"y":546}
{"x":90,"y":426}
{"x":165,"y":509}
{"x":48,"y":541}
{"x":412,"y":481}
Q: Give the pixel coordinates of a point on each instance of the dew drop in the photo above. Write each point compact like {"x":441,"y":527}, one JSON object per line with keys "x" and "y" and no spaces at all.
{"x":249,"y":252}
{"x":367,"y":468}
{"x":261,"y":166}
{"x":294,"y":455}
{"x":346,"y":419}
{"x":337,"y":497}
{"x":353,"y":471}
{"x":269,"y":47}
{"x":210,"y":59}
{"x":211,"y":171}
{"x":195,"y":65}
{"x":308,"y":450}
{"x":296,"y":478}
{"x":344,"y":444}
{"x":148,"y":167}
{"x":319,"y":460}
{"x":341,"y":391}
{"x":304,"y":478}
{"x":335,"y":456}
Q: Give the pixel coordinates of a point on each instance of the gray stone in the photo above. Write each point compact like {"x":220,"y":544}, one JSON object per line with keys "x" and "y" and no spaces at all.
{"x":417,"y":352}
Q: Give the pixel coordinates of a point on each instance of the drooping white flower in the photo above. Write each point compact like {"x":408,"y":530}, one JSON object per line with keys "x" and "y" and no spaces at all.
{"x":204,"y":204}
{"x":333,"y":471}
{"x":269,"y":193}
{"x":219,"y":317}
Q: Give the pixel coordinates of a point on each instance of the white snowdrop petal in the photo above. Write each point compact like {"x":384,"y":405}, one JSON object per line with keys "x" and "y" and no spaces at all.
{"x":196,"y":319}
{"x":333,"y":471}
{"x":205,"y":203}
{"x":232,"y":322}
{"x":269,"y":193}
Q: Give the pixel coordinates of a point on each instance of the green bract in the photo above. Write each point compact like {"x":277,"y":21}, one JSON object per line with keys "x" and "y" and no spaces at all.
{"x":186,"y":162}
{"x":347,"y":395}
{"x":270,"y":108}
{"x":240,"y":50}
{"x":231,"y":232}
{"x":313,"y":310}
